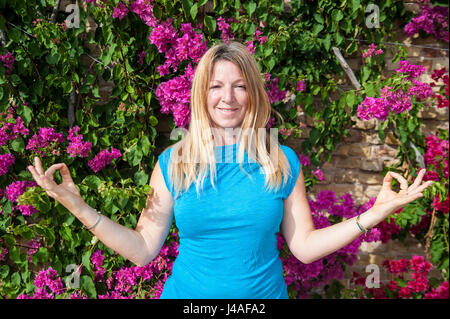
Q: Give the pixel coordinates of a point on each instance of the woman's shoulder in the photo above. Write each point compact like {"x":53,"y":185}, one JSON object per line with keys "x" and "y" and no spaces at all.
{"x":165,"y":155}
{"x":289,"y":152}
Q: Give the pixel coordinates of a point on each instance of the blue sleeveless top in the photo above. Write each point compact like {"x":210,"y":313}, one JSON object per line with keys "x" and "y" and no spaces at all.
{"x":228,"y":244}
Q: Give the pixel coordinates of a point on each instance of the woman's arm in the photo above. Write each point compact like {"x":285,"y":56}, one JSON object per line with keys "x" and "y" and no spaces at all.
{"x":309,"y":244}
{"x":140,"y":245}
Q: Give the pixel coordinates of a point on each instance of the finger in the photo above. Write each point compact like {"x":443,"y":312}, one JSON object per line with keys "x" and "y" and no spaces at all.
{"x":65,"y":173}
{"x":38,"y":165}
{"x":421,"y":188}
{"x":403,"y":201}
{"x":49,"y":172}
{"x":403,"y":182}
{"x":35,"y":174}
{"x":418,"y":180}
{"x":387,"y":181}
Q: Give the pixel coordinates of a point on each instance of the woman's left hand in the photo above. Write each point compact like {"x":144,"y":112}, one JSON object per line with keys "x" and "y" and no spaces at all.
{"x":389,"y":201}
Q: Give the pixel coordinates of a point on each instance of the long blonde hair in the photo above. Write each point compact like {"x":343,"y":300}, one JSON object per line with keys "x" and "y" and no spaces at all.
{"x":194,"y":154}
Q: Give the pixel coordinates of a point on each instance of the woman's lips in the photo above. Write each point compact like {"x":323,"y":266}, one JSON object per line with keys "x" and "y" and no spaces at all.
{"x":227,"y":111}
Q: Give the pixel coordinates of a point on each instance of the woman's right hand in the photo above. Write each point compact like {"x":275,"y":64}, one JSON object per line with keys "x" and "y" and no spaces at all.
{"x":66,"y":193}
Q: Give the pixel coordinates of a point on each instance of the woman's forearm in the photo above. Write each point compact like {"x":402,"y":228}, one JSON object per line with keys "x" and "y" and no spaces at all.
{"x":126,"y":242}
{"x":323,"y":242}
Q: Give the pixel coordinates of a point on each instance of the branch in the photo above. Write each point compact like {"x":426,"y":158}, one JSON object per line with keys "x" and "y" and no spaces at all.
{"x":2,"y":38}
{"x":346,"y":68}
{"x":55,"y":12}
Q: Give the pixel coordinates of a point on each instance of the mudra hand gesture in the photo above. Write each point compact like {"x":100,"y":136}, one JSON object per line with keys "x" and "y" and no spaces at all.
{"x":389,"y":201}
{"x":66,"y":193}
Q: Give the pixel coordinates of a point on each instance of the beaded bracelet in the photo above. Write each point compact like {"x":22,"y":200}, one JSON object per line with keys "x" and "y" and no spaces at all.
{"x":361,"y":227}
{"x":96,"y":222}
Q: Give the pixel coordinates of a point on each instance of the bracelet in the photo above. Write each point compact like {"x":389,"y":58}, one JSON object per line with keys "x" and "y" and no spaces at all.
{"x":361,"y":227}
{"x":96,"y":222}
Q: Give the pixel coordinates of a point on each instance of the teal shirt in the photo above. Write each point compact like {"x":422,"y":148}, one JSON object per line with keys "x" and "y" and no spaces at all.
{"x":228,"y":243}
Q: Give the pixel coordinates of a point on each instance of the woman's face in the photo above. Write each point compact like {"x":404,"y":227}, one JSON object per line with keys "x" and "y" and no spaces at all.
{"x":227,"y":96}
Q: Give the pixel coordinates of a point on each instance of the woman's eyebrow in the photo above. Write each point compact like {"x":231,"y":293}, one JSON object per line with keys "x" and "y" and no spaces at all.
{"x":236,"y":81}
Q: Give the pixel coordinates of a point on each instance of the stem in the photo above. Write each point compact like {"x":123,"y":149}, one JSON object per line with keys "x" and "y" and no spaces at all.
{"x":429,"y":235}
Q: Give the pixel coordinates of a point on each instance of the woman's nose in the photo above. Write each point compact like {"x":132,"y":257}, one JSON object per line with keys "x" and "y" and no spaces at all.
{"x":228,"y":94}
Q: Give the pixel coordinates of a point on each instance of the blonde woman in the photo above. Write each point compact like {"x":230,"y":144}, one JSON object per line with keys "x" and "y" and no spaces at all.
{"x":231,"y":188}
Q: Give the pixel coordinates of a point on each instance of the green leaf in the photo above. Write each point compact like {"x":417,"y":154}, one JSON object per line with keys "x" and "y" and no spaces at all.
{"x":4,"y":271}
{"x":186,"y":4}
{"x":148,"y":97}
{"x":89,"y":79}
{"x":350,"y":98}
{"x":53,"y":58}
{"x":106,"y":58}
{"x":317,"y":28}
{"x":250,"y":7}
{"x":92,"y":181}
{"x":18,"y":144}
{"x":15,"y":279}
{"x":210,"y":23}
{"x":86,"y":260}
{"x":87,"y":285}
{"x":314,"y":135}
{"x":130,"y":89}
{"x":144,"y":145}
{"x":193,"y":11}
{"x":318,"y":17}
{"x":337,"y":15}
{"x":327,"y":42}
{"x":140,"y":178}
{"x":355,"y":5}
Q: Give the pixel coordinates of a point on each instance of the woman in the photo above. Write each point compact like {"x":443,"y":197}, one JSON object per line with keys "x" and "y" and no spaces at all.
{"x":227,"y":225}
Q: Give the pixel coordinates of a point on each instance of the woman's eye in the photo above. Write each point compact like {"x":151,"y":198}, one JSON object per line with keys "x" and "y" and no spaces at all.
{"x":214,"y":87}
{"x":241,"y":87}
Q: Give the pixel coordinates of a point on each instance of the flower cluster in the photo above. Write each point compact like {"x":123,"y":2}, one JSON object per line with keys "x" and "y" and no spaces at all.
{"x":251,"y":44}
{"x":432,"y":20}
{"x":274,"y":93}
{"x":442,"y":97}
{"x":76,"y":145}
{"x":225,"y":29}
{"x":8,"y":61}
{"x":174,"y":96}
{"x":396,"y":101}
{"x":6,"y":160}
{"x":10,"y":131}
{"x":144,"y":10}
{"x":46,"y":141}
{"x":372,"y":50}
{"x":436,"y":158}
{"x":103,"y":158}
{"x":300,"y":86}
{"x":120,"y":11}
{"x":14,"y":190}
{"x":413,"y":71}
{"x":123,"y":283}
{"x":191,"y":45}
{"x":402,"y":287}
{"x":48,"y":285}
